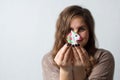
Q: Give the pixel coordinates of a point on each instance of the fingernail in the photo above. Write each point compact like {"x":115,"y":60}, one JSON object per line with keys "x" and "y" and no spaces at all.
{"x":77,"y":45}
{"x":73,"y":45}
{"x":68,"y":44}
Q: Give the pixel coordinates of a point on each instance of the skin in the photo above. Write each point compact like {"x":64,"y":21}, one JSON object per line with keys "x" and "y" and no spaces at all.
{"x":73,"y":60}
{"x":78,"y":25}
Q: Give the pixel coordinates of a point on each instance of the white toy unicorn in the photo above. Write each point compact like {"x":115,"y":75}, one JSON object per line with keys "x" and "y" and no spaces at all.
{"x":73,"y":37}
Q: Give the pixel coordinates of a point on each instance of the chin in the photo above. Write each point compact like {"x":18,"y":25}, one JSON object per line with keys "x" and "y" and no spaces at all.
{"x":82,"y":44}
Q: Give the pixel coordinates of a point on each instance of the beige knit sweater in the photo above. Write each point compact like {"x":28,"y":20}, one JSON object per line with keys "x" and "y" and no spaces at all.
{"x":104,"y":70}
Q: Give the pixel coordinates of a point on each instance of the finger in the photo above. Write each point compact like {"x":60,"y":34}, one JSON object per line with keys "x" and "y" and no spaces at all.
{"x":67,"y":54}
{"x":85,"y":57}
{"x":85,"y":53}
{"x":70,"y":59}
{"x":61,"y":52}
{"x":75,"y":54}
{"x":63,"y":49}
{"x":80,"y":53}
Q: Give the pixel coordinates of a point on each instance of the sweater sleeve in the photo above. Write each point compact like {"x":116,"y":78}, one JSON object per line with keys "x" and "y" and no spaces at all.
{"x":104,"y":69}
{"x":49,"y":71}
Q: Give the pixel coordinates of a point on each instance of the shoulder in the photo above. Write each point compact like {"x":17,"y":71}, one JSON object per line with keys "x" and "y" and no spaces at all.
{"x":100,"y":53}
{"x":104,"y":68}
{"x":47,"y":58}
{"x":48,"y":63}
{"x":105,"y":57}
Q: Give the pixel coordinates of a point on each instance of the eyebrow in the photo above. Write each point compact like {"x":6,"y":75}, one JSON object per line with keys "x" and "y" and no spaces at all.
{"x":83,"y":25}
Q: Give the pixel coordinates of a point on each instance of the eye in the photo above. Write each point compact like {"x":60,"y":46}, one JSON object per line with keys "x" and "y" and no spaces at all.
{"x":75,"y":35}
{"x":71,"y":28}
{"x":82,"y":28}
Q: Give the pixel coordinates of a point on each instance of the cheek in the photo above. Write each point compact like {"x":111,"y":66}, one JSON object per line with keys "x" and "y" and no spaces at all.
{"x":87,"y":35}
{"x":84,"y":35}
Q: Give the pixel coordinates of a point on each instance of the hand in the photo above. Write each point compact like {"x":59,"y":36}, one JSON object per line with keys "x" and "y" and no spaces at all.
{"x":64,"y":60}
{"x":80,"y":62}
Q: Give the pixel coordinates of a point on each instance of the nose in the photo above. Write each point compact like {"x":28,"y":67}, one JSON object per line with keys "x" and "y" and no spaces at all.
{"x":78,"y":34}
{"x":80,"y":38}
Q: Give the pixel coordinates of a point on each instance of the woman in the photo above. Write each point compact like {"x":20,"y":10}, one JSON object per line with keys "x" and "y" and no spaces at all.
{"x":80,"y":62}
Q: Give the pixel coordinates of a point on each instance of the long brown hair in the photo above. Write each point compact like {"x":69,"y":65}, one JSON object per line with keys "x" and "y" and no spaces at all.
{"x":63,"y":28}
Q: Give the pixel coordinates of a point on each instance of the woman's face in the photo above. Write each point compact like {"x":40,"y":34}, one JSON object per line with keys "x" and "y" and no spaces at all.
{"x":78,"y":25}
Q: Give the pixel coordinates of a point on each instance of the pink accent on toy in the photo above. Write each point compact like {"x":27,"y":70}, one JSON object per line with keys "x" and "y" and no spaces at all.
{"x":73,"y":37}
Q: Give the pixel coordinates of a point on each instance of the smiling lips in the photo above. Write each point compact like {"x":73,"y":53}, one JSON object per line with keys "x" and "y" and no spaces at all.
{"x":78,"y":41}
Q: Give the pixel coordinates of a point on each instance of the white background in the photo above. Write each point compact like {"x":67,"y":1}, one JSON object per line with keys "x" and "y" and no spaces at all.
{"x":27,"y":30}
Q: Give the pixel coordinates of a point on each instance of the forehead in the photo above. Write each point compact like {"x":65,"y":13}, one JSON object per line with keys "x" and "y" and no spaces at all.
{"x":77,"y":21}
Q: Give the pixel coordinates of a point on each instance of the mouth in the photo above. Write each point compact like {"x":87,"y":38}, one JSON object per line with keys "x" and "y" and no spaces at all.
{"x":79,"y":41}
